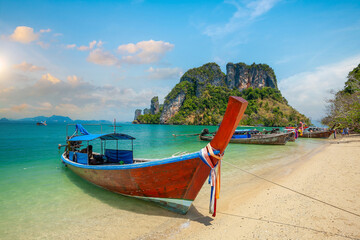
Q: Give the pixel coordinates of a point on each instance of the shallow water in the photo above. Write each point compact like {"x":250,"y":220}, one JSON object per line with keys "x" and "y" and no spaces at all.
{"x":39,"y":197}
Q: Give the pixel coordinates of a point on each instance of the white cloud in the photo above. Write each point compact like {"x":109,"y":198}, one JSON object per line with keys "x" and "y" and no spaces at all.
{"x":86,"y":48}
{"x":28,"y":67}
{"x":307,"y":91}
{"x":73,"y":80}
{"x":70,"y":46}
{"x":260,"y":7}
{"x":45,"y":30}
{"x":50,"y":78}
{"x":75,"y":98}
{"x":24,"y":34}
{"x":100,"y":57}
{"x":127,"y":48}
{"x":100,"y":43}
{"x":144,"y":52}
{"x":246,"y":12}
{"x":164,"y":73}
{"x":43,"y":45}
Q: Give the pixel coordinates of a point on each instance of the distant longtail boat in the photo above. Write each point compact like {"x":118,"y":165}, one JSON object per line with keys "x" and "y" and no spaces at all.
{"x":41,"y":123}
{"x":171,"y":182}
{"x":313,"y":132}
{"x":248,"y":136}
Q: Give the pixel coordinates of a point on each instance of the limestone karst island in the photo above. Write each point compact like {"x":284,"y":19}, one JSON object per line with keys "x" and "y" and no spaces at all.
{"x":201,"y":96}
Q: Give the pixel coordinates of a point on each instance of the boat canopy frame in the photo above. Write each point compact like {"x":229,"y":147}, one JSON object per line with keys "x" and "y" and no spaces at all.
{"x":102,"y":136}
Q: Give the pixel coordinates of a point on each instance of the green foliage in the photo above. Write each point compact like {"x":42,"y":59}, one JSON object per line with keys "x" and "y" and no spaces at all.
{"x":150,"y":118}
{"x":211,"y":106}
{"x":344,"y":109}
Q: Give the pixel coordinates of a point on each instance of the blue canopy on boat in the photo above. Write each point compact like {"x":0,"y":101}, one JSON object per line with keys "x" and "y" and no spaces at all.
{"x":243,"y":130}
{"x":104,"y":136}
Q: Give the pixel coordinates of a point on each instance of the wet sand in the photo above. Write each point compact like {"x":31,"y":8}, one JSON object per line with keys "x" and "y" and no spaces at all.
{"x":252,"y":208}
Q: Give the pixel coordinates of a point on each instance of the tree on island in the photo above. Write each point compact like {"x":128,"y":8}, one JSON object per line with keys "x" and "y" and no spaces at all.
{"x":343,"y":109}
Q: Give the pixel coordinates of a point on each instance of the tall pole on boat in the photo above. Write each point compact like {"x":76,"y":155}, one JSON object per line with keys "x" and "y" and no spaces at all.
{"x":114,"y":125}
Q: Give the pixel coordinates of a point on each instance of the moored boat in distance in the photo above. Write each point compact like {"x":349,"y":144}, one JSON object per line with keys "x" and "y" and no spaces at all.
{"x":314,"y":132}
{"x":41,"y":123}
{"x":172,"y":182}
{"x":248,"y":136}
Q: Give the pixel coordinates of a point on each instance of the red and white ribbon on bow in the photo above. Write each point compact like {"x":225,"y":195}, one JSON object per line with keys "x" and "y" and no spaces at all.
{"x":214,"y":177}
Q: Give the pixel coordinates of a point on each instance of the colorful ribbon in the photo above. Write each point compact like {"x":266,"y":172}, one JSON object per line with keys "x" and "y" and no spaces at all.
{"x":214,"y":177}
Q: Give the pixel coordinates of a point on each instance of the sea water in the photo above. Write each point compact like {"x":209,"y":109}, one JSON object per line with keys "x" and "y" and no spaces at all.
{"x":42,"y":199}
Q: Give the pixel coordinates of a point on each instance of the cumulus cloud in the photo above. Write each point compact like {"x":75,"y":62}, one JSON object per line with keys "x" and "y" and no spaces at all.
{"x":144,"y":52}
{"x":24,"y":34}
{"x":20,"y":108}
{"x":28,"y":67}
{"x":91,"y":46}
{"x":70,"y":46}
{"x":49,"y":78}
{"x":164,"y":73}
{"x":74,"y":80}
{"x":45,"y":30}
{"x":246,"y":12}
{"x":98,"y":56}
{"x":307,"y":91}
{"x":74,"y":98}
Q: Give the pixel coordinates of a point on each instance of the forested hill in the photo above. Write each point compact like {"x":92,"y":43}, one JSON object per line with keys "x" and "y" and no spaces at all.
{"x":344,"y":108}
{"x":201,"y":96}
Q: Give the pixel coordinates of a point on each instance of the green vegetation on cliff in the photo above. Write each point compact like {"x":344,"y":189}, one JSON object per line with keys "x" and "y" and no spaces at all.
{"x":344,"y":108}
{"x":201,"y":97}
{"x":266,"y":106}
{"x":150,"y":118}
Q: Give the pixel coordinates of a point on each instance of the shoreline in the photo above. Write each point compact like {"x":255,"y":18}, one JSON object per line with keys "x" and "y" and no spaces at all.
{"x":251,"y":208}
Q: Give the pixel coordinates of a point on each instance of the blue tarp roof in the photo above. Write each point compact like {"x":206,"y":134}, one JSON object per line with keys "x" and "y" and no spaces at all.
{"x":243,"y":130}
{"x":105,"y":136}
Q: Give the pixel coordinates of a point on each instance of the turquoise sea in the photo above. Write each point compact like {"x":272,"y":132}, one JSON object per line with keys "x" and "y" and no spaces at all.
{"x":39,"y":197}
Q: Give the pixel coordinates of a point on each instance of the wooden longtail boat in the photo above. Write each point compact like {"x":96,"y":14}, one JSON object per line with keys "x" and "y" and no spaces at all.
{"x":41,"y":123}
{"x":312,"y":132}
{"x":292,"y":134}
{"x":246,"y":137}
{"x":171,"y":182}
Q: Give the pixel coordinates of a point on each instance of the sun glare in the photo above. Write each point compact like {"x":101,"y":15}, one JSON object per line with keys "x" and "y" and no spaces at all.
{"x":2,"y":65}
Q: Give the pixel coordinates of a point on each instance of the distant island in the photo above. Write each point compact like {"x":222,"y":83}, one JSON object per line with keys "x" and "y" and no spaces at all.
{"x":201,"y":96}
{"x":55,"y":119}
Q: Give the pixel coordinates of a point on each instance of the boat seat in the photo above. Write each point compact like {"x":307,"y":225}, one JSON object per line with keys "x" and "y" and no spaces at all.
{"x":115,"y":156}
{"x":82,"y":158}
{"x":71,"y":156}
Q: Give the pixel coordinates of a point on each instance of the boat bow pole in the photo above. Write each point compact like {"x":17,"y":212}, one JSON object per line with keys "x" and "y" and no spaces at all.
{"x":233,"y":114}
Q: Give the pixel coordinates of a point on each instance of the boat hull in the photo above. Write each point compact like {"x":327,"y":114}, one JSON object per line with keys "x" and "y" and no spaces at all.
{"x":173,"y":185}
{"x":322,"y":134}
{"x":266,"y":139}
{"x":292,"y":136}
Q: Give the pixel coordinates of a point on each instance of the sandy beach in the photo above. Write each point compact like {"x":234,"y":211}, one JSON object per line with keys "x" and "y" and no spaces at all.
{"x":252,"y":208}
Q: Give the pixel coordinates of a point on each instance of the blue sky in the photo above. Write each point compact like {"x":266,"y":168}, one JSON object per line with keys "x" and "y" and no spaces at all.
{"x":104,"y":59}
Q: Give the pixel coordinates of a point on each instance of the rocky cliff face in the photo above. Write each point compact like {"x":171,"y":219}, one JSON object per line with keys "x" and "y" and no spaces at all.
{"x":242,"y":76}
{"x":209,"y":73}
{"x":154,"y":107}
{"x":172,"y":106}
{"x":137,"y":113}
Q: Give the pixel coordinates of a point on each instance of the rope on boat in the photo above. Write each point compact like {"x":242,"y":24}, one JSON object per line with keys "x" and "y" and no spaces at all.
{"x":292,"y":190}
{"x":214,"y":177}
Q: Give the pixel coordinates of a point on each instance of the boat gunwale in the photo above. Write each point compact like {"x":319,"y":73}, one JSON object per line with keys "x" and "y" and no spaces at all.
{"x":149,"y":163}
